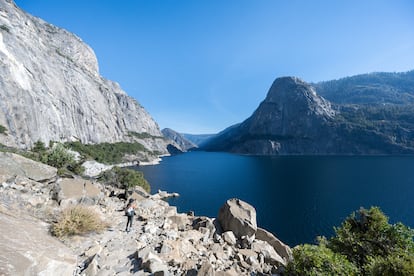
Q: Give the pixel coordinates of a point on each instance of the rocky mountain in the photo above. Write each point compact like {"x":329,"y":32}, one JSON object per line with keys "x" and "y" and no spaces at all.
{"x":293,"y":119}
{"x":182,"y":143}
{"x":51,"y":89}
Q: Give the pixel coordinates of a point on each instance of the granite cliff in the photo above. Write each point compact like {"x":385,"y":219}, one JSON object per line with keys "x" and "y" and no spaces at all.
{"x":293,"y":119}
{"x":51,"y":89}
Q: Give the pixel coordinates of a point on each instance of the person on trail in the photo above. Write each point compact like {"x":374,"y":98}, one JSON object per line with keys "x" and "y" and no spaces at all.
{"x":130,"y":212}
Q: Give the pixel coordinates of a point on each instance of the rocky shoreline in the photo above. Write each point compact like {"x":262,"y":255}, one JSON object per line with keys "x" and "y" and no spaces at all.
{"x":162,"y":241}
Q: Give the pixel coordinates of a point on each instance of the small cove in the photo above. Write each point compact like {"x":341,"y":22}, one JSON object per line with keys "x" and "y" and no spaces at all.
{"x":296,"y":197}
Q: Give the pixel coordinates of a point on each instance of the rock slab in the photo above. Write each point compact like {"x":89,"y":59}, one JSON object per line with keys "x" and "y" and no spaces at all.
{"x":239,"y":217}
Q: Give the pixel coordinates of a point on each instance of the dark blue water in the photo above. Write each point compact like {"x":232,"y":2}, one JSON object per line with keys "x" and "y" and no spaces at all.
{"x":296,"y":197}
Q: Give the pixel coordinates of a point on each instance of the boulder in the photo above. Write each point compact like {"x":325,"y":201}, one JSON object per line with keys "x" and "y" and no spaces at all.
{"x":76,"y":190}
{"x":239,"y":217}
{"x":13,"y":164}
{"x":282,"y":249}
{"x":269,"y":253}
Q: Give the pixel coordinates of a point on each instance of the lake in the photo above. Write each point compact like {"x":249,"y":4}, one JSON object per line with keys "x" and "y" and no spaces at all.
{"x":296,"y":197}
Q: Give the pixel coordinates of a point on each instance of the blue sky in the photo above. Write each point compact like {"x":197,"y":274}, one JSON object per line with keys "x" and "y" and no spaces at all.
{"x":200,"y":66}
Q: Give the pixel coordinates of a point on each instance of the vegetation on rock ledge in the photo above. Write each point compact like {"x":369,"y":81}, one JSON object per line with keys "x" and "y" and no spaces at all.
{"x":3,"y":130}
{"x":365,"y":244}
{"x":58,"y":156}
{"x":108,"y":153}
{"x":124,"y":178}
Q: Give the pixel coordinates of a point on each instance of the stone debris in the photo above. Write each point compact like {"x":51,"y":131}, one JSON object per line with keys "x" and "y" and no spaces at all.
{"x":161,"y":242}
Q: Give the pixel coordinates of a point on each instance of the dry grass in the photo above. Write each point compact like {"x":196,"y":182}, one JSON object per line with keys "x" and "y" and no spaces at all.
{"x":78,"y":220}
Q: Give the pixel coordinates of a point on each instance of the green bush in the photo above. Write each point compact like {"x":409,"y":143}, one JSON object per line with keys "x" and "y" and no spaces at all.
{"x":3,"y":130}
{"x":318,"y":260}
{"x":77,"y":220}
{"x":365,"y":241}
{"x":398,"y":265}
{"x":124,"y":178}
{"x":107,"y":153}
{"x":58,"y":157}
{"x":39,"y":147}
{"x":367,"y":234}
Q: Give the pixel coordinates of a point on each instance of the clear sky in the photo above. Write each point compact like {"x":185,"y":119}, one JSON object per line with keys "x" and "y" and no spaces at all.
{"x":199,"y":66}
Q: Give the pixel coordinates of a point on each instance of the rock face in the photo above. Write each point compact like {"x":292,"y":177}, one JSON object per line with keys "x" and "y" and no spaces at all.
{"x":293,"y":119}
{"x":179,"y":139}
{"x":50,"y":88}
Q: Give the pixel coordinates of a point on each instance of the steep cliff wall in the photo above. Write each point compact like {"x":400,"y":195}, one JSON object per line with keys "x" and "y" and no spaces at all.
{"x":50,"y":88}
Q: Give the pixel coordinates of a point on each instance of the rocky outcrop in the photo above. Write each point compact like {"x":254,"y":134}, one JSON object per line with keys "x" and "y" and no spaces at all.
{"x":182,"y":143}
{"x":51,"y":89}
{"x":162,"y":241}
{"x":16,"y":165}
{"x":293,"y":119}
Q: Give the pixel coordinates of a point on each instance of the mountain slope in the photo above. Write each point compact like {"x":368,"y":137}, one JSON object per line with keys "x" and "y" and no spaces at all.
{"x":373,"y":88}
{"x":183,"y":143}
{"x":50,"y":88}
{"x":293,"y":119}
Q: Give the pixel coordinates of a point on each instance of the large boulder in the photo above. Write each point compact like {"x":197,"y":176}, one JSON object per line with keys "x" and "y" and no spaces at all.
{"x":282,"y":249}
{"x":239,"y":217}
{"x":76,"y":190}
{"x":16,"y":165}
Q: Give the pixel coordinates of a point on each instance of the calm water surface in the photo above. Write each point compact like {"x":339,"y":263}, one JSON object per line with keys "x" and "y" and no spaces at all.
{"x":297,"y":198}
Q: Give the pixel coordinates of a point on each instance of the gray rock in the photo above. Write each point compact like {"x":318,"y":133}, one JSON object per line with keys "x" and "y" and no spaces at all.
{"x":206,"y":269}
{"x":269,"y":253}
{"x":239,"y":217}
{"x":16,"y":165}
{"x":229,"y":237}
{"x":31,"y":250}
{"x":282,"y":249}
{"x":51,"y":89}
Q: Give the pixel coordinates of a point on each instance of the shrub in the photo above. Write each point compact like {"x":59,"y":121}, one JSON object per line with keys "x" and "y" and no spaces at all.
{"x":124,"y":178}
{"x":319,"y":260}
{"x":77,"y":220}
{"x":39,"y":147}
{"x":399,"y":265}
{"x":366,"y":242}
{"x":3,"y":130}
{"x":367,"y":234}
{"x":56,"y":156}
{"x":59,"y":157}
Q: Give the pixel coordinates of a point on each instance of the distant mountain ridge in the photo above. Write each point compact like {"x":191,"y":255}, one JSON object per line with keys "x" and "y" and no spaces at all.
{"x":294,"y":119}
{"x":51,"y":89}
{"x":182,"y":143}
{"x":373,"y":88}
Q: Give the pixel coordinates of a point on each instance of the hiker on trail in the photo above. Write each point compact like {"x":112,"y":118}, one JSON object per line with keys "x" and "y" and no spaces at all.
{"x":130,"y":212}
